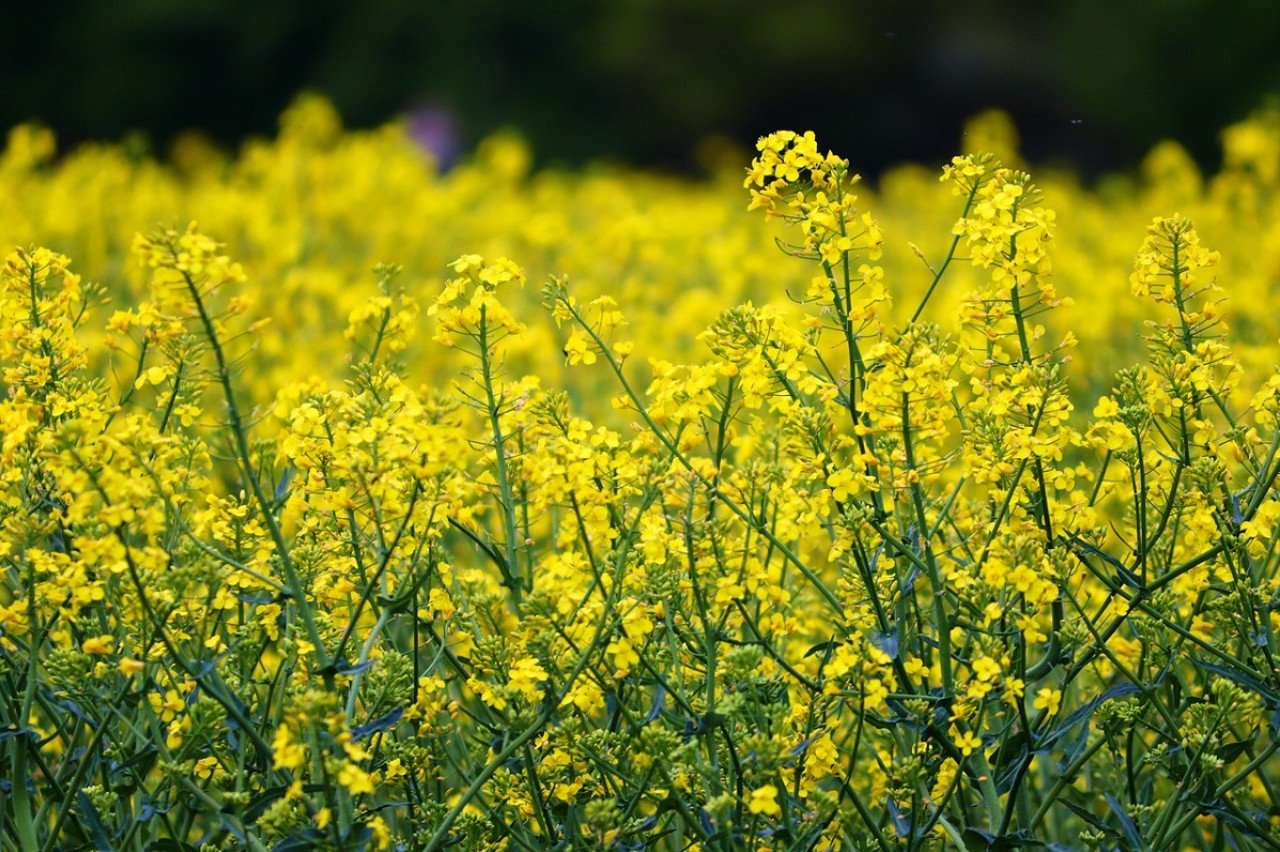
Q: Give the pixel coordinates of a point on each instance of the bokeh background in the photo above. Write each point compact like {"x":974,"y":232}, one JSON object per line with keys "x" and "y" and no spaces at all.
{"x":1092,"y":83}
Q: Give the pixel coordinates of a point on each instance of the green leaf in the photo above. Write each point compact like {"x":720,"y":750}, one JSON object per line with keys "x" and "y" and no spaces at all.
{"x":1127,"y":825}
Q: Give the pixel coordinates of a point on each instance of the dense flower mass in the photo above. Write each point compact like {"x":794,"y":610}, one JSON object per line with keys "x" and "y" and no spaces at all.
{"x":616,"y":526}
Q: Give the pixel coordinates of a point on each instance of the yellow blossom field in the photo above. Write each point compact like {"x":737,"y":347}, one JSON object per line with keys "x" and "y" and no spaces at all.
{"x":349,"y":502}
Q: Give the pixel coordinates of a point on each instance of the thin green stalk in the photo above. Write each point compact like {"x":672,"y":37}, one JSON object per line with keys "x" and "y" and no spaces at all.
{"x":505,"y":498}
{"x":245,"y":457}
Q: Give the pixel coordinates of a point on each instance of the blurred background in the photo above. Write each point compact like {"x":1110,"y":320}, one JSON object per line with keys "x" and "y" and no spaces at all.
{"x":1090,"y":83}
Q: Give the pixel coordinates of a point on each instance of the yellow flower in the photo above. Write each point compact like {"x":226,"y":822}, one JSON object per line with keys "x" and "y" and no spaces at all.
{"x":1048,"y":699}
{"x":289,"y":753}
{"x":579,"y":349}
{"x":355,"y":779}
{"x":624,"y":654}
{"x":526,"y":676}
{"x":153,"y":376}
{"x":968,"y":743}
{"x":130,"y":666}
{"x":98,"y":646}
{"x":764,"y":801}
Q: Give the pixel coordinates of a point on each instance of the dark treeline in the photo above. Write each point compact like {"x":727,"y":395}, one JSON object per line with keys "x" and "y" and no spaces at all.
{"x":1091,"y":82}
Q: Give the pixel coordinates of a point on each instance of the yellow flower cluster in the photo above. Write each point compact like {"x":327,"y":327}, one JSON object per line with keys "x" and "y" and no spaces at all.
{"x":699,"y":544}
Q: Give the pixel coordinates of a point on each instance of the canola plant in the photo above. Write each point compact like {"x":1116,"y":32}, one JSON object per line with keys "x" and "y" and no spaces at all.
{"x":489,"y":508}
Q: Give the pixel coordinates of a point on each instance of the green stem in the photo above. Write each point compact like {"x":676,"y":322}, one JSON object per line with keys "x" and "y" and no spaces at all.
{"x":245,"y":457}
